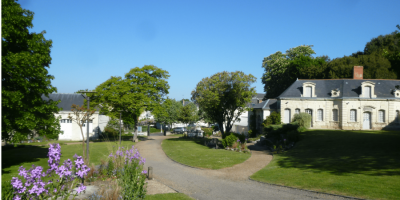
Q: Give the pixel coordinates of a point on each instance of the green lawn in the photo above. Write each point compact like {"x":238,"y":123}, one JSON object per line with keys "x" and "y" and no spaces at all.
{"x":26,"y":155}
{"x":362,"y":164}
{"x":168,"y":196}
{"x":194,"y":153}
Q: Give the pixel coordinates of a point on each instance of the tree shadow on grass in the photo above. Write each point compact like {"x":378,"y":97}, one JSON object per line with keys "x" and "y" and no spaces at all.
{"x":12,"y":156}
{"x":344,"y":152}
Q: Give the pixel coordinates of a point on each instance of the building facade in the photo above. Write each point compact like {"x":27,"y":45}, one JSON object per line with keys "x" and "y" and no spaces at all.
{"x":348,"y":104}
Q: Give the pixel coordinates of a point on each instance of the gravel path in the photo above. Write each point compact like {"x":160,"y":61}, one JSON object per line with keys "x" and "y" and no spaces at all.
{"x":229,"y":183}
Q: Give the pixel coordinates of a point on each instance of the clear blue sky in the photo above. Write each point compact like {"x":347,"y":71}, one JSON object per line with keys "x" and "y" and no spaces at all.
{"x":94,"y":40}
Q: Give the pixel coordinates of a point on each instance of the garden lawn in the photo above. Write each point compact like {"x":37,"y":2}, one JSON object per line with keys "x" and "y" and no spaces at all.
{"x":194,"y":153}
{"x":168,"y":196}
{"x":363,"y":164}
{"x":27,"y":155}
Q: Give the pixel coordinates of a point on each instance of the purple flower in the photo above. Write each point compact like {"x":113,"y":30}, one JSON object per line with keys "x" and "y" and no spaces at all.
{"x":81,"y":188}
{"x":17,"y":197}
{"x":144,"y":172}
{"x":110,"y":155}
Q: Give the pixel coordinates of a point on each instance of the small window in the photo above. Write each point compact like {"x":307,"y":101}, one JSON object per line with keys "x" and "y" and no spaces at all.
{"x":353,"y":115}
{"x":297,"y":111}
{"x":320,"y":113}
{"x":308,"y":91}
{"x":367,"y":91}
{"x":397,"y":116}
{"x":335,"y":115}
{"x":381,"y":116}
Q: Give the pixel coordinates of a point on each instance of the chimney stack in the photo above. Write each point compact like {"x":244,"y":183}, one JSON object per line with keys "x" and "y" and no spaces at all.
{"x":358,"y":72}
{"x":183,"y":102}
{"x":260,"y":100}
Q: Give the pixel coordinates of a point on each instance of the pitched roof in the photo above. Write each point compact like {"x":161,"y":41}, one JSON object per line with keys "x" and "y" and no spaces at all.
{"x":267,"y":104}
{"x":254,"y":100}
{"x":66,"y":100}
{"x":349,"y":88}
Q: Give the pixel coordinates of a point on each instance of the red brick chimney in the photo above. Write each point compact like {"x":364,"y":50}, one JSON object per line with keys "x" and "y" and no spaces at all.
{"x":358,"y":72}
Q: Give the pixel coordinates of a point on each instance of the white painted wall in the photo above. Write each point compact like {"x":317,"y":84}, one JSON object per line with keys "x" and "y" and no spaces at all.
{"x":344,"y":107}
{"x":75,"y":133}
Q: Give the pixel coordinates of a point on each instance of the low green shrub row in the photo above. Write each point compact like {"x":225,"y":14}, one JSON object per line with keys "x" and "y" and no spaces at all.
{"x":229,"y":140}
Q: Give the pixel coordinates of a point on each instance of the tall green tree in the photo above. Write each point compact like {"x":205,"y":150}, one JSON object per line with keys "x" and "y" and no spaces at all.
{"x":224,"y":96}
{"x":141,"y":89}
{"x":188,"y":114}
{"x":25,"y":57}
{"x":281,"y":70}
{"x":168,"y":112}
{"x":392,"y":52}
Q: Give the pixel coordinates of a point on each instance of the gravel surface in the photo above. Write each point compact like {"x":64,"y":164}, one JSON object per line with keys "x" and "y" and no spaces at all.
{"x":229,"y":183}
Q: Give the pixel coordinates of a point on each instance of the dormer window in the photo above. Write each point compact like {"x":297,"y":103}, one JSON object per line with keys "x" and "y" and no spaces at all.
{"x":368,"y":89}
{"x":308,"y":89}
{"x":396,"y":93}
{"x":335,"y":92}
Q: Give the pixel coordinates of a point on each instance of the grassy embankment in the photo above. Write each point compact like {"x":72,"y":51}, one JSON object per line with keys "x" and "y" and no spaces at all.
{"x":194,"y":153}
{"x":362,"y":164}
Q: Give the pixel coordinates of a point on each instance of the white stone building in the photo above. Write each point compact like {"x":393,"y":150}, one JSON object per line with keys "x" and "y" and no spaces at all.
{"x":349,"y":104}
{"x":70,"y":129}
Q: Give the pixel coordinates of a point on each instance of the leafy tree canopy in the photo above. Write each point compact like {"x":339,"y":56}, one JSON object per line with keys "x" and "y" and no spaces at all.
{"x":140,"y":89}
{"x":25,"y":57}
{"x":223,"y":97}
{"x":168,"y":111}
{"x":188,"y":113}
{"x":281,"y":70}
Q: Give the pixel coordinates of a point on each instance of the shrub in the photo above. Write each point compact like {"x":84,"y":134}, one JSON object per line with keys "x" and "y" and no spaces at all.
{"x":275,"y":118}
{"x":207,"y":131}
{"x":293,"y":135}
{"x":110,"y":132}
{"x":229,"y":140}
{"x":302,"y":119}
{"x":241,"y":137}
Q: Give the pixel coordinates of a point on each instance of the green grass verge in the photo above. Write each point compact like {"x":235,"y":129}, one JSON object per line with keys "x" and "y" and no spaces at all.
{"x":168,"y":196}
{"x":363,"y":164}
{"x":27,"y":155}
{"x":194,"y":153}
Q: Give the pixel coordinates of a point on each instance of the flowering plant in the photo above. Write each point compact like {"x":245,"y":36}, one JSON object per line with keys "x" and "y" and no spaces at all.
{"x":128,"y":166}
{"x":68,"y":176}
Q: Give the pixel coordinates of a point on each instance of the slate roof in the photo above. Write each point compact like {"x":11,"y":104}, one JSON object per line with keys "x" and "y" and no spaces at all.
{"x":254,"y":100}
{"x":66,"y":100}
{"x":267,"y":104}
{"x":349,"y":88}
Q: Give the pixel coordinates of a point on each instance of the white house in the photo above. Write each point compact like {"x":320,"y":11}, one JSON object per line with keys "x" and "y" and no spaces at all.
{"x":349,"y":104}
{"x":70,"y":129}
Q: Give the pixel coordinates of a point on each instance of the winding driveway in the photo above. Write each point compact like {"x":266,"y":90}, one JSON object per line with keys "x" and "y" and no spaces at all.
{"x":228,"y":183}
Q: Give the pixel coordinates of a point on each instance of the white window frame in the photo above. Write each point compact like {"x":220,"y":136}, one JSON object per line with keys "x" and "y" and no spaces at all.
{"x":320,"y":115}
{"x":297,"y":111}
{"x":353,"y":115}
{"x":335,"y":118}
{"x":372,"y":90}
{"x":309,"y":84}
{"x":381,"y":116}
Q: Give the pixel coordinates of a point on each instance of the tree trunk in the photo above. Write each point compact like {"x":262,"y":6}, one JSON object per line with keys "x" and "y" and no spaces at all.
{"x":221,"y":128}
{"x":135,"y":133}
{"x":83,"y":144}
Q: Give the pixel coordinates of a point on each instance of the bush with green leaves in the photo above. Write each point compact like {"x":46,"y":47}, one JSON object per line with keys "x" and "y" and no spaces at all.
{"x":302,"y":119}
{"x":110,"y":133}
{"x":207,"y":131}
{"x":275,"y":117}
{"x":241,"y":137}
{"x":229,"y":140}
